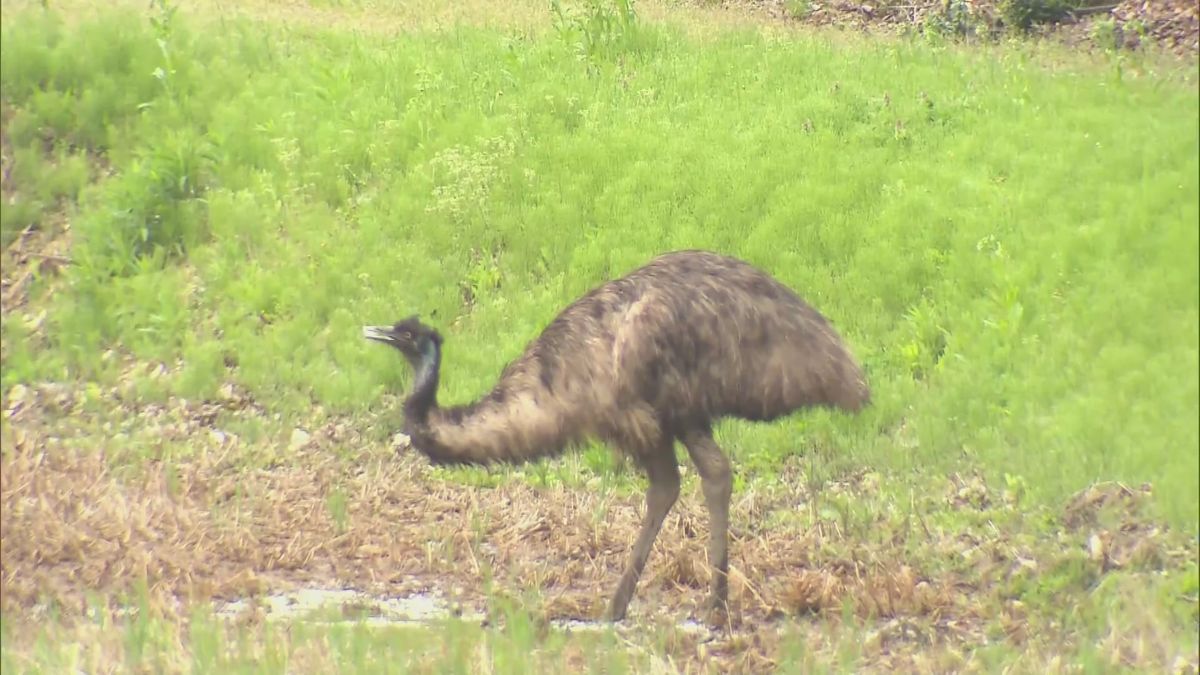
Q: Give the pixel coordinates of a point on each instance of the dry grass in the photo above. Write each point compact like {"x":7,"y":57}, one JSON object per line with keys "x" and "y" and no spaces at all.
{"x":35,"y":253}
{"x":698,"y":19}
{"x":389,"y":18}
{"x":211,"y":524}
{"x":369,"y":17}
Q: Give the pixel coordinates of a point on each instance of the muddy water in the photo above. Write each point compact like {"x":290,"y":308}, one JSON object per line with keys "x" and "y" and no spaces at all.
{"x":320,"y":604}
{"x":331,"y":605}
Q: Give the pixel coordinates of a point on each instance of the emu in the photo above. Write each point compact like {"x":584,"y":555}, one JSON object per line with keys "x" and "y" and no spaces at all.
{"x":640,"y":362}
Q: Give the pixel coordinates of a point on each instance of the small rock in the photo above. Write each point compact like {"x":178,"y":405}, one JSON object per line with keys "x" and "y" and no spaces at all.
{"x":17,"y":396}
{"x":299,"y":439}
{"x":1098,"y":547}
{"x":34,"y":323}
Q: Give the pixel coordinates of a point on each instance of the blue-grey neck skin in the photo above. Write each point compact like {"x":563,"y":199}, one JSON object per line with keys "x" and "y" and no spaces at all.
{"x":425,"y":384}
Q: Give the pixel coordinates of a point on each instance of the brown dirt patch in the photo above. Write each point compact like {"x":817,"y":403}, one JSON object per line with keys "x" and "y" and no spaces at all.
{"x":34,"y":254}
{"x":77,"y":519}
{"x":42,"y":249}
{"x":198,"y":518}
{"x":1173,"y":25}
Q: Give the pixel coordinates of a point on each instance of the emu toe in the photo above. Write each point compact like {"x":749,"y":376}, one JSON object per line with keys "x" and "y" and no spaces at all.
{"x":716,"y":611}
{"x":614,"y":614}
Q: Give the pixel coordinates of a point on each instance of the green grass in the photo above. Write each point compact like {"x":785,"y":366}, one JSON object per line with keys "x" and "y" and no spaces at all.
{"x":1007,"y":237}
{"x":1010,"y":248}
{"x":147,"y":642}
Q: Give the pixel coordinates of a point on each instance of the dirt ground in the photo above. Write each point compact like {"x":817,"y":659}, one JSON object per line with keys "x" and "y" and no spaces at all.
{"x":1171,"y":25}
{"x":204,"y":527}
{"x":199,"y":518}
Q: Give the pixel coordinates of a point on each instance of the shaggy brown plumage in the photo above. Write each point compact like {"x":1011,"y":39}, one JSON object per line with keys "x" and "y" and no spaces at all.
{"x":640,"y":362}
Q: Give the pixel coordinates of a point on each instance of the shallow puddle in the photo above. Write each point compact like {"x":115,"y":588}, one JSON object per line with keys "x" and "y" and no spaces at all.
{"x":332,"y":605}
{"x":325,"y":605}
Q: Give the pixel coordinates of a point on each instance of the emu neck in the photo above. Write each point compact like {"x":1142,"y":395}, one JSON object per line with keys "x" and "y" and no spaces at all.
{"x":510,"y":424}
{"x":424,"y":394}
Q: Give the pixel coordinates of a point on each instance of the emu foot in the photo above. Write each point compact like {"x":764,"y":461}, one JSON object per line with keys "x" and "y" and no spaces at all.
{"x":716,"y":612}
{"x":610,"y":617}
{"x":615,"y":612}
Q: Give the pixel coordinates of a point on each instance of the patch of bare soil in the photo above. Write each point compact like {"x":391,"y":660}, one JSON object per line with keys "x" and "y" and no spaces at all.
{"x":40,"y":250}
{"x":33,"y":254}
{"x":1173,"y":25}
{"x":75,"y":518}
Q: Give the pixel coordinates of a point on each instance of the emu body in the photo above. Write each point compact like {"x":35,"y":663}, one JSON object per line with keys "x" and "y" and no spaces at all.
{"x":640,"y":362}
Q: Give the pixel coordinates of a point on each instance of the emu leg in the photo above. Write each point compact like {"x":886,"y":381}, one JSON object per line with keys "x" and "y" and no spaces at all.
{"x":660,"y":497}
{"x":716,"y":481}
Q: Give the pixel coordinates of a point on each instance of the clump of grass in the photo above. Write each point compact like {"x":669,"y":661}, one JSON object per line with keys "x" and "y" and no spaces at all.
{"x":798,"y":9}
{"x":1022,"y":15}
{"x":598,"y":30}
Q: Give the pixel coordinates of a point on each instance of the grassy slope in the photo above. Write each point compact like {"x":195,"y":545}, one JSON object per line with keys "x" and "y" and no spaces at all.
{"x":1012,"y":249}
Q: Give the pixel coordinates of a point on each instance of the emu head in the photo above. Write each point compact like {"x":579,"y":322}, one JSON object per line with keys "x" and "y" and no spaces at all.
{"x":416,"y":341}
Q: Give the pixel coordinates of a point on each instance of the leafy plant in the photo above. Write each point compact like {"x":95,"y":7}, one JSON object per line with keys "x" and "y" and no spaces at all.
{"x":162,"y":20}
{"x":464,"y":177}
{"x":336,"y":503}
{"x":798,"y":9}
{"x":1023,"y":15}
{"x":483,"y":276}
{"x":954,"y":19}
{"x":599,"y":29}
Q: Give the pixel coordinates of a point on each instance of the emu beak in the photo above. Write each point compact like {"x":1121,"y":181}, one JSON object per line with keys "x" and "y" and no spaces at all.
{"x":378,"y":333}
